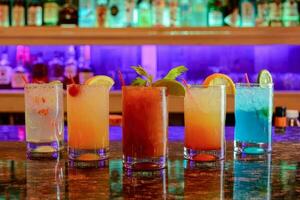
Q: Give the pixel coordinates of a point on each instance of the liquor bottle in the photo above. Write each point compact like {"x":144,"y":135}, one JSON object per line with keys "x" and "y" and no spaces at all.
{"x":19,"y":72}
{"x":87,"y":13}
{"x":247,"y":8}
{"x":116,"y":13}
{"x":4,"y":13}
{"x":174,"y":13}
{"x":56,"y":67}
{"x":215,"y":13}
{"x":68,"y":15}
{"x":70,"y":73}
{"x":158,"y":12}
{"x":84,"y":64}
{"x":18,"y":13}
{"x":233,"y":19}
{"x":185,"y":12}
{"x":275,"y":13}
{"x":131,"y":20}
{"x":290,"y":13}
{"x":35,"y":13}
{"x":51,"y":11}
{"x":199,"y":13}
{"x":102,"y":12}
{"x":144,"y":13}
{"x":5,"y":71}
{"x":262,"y":18}
{"x":39,"y":69}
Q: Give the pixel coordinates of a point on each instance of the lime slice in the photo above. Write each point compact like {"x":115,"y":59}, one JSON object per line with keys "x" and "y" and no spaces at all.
{"x":264,"y":77}
{"x":220,"y":79}
{"x":100,"y":80}
{"x":173,"y":87}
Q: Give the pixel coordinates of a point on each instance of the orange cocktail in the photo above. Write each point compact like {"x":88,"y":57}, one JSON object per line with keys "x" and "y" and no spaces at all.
{"x":88,"y":122}
{"x":144,"y":127}
{"x":204,"y":113}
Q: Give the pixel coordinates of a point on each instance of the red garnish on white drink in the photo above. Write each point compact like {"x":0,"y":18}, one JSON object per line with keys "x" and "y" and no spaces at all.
{"x":74,"y":89}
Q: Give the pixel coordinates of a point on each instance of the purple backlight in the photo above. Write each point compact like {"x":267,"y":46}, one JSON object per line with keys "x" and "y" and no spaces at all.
{"x":281,"y":60}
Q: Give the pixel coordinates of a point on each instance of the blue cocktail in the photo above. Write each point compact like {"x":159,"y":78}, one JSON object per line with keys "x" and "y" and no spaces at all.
{"x":253,"y":118}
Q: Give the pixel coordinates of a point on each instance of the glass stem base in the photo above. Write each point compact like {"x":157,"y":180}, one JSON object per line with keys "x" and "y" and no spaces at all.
{"x":144,"y":164}
{"x":203,"y":155}
{"x":88,"y":157}
{"x":47,"y":150}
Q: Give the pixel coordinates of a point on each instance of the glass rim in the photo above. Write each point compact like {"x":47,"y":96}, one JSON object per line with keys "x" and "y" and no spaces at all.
{"x":207,"y":86}
{"x":88,"y":86}
{"x":41,"y":85}
{"x":253,"y":84}
{"x":143,"y":87}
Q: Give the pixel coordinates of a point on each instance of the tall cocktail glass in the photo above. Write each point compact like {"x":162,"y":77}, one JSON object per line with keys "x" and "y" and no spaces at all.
{"x":88,"y":123}
{"x":204,"y":116}
{"x":145,"y":122}
{"x":44,"y":119}
{"x":253,"y":118}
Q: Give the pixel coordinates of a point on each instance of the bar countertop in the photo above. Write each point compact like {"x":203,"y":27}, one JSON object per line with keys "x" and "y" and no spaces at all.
{"x":277,"y":176}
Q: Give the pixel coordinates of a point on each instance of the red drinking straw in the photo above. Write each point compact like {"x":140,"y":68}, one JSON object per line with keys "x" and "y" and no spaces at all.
{"x":24,"y":79}
{"x":72,"y":79}
{"x":121,"y":78}
{"x":186,"y":86}
{"x":247,"y":79}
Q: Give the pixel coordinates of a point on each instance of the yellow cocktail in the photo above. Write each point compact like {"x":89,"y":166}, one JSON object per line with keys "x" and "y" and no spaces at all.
{"x":88,"y":122}
{"x":204,"y":113}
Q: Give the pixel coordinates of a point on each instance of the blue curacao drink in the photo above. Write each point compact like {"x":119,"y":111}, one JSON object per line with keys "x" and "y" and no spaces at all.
{"x":253,"y":118}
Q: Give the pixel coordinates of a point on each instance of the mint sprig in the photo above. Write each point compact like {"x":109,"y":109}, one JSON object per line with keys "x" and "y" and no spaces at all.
{"x":146,"y":79}
{"x":175,"y":72}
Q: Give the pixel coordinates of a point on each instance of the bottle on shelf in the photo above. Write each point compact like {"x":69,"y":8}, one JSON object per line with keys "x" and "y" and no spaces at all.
{"x":51,"y":11}
{"x":174,"y":13}
{"x":102,"y":12}
{"x":87,"y":13}
{"x":18,"y":13}
{"x":19,"y":72}
{"x":130,"y":7}
{"x":4,"y":13}
{"x":185,"y":12}
{"x":39,"y":69}
{"x":199,"y":13}
{"x":247,"y":8}
{"x":5,"y":71}
{"x":275,"y":13}
{"x":35,"y":13}
{"x":144,"y":13}
{"x":116,"y":13}
{"x":262,"y":18}
{"x":71,"y":71}
{"x":159,"y":7}
{"x":233,"y":18}
{"x":290,"y":13}
{"x":56,"y":67}
{"x":215,"y":13}
{"x":68,"y":15}
{"x":84,"y":64}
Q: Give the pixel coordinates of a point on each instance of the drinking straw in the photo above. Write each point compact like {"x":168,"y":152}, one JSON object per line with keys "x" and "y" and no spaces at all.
{"x":121,"y":78}
{"x":72,"y":79}
{"x":247,"y":79}
{"x":24,"y":79}
{"x":186,"y":86}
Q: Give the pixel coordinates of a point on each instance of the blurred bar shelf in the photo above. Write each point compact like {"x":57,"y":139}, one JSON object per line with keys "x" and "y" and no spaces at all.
{"x":145,"y":36}
{"x":12,"y":101}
